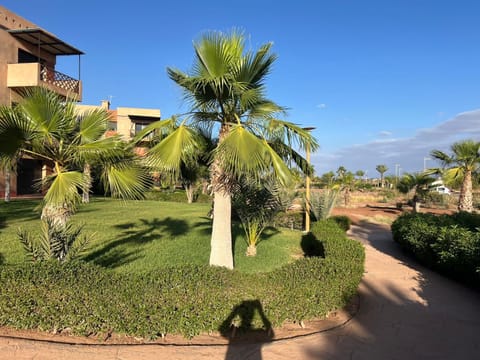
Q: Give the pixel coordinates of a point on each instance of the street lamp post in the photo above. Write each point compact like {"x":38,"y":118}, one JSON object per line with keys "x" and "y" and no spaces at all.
{"x":307,"y":185}
{"x":425,"y":163}
{"x":397,"y":173}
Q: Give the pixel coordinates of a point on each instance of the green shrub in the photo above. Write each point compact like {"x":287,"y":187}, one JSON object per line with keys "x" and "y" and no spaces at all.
{"x":175,"y":196}
{"x":434,"y":198}
{"x":343,"y":221}
{"x":447,"y":243}
{"x":187,"y":300}
{"x":292,"y":220}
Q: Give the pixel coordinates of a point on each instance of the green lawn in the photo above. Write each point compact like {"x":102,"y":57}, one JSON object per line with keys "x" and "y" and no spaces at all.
{"x":137,"y":236}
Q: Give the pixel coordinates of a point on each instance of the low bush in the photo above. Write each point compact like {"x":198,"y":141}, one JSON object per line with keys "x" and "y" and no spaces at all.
{"x":343,"y":221}
{"x":87,"y":300}
{"x":175,"y":196}
{"x":447,"y":243}
{"x":293,"y":220}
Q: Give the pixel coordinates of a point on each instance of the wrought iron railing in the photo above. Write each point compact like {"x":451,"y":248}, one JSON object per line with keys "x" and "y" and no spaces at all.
{"x":60,"y":80}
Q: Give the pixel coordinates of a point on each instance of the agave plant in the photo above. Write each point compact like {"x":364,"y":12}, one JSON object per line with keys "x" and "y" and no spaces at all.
{"x":324,"y":202}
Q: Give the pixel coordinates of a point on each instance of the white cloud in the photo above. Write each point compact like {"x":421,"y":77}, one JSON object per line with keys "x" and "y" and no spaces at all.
{"x":321,"y":106}
{"x":384,"y":134}
{"x":408,"y":152}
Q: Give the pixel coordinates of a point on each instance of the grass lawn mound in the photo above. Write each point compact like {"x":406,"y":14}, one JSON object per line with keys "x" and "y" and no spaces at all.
{"x":146,"y":299}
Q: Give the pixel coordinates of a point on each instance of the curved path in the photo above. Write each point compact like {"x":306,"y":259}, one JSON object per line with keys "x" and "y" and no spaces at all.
{"x":406,"y":312}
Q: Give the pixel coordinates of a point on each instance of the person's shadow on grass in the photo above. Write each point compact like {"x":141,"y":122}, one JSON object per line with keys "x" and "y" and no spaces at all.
{"x":246,"y":337}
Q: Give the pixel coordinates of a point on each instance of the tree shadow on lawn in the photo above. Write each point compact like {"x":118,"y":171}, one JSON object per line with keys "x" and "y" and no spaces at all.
{"x":118,"y":252}
{"x":19,"y":210}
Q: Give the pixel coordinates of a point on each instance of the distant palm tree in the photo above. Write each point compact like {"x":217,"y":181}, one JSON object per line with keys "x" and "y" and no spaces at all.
{"x":382,"y":169}
{"x":226,"y":92}
{"x":47,"y":128}
{"x":464,"y":161}
{"x":416,"y":182}
{"x":360,"y":174}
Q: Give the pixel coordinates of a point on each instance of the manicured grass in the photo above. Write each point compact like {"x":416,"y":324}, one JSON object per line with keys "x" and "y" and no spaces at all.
{"x":139,"y":236}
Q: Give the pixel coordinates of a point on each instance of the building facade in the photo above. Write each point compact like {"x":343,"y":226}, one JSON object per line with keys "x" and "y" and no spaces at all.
{"x":28,"y":55}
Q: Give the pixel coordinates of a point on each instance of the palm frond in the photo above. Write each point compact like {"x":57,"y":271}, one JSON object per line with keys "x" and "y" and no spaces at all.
{"x":15,"y":130}
{"x":241,"y":152}
{"x":181,"y":145}
{"x":290,"y":134}
{"x":126,"y":180}
{"x":50,"y":116}
{"x":159,"y":128}
{"x":92,"y":125}
{"x":63,"y":188}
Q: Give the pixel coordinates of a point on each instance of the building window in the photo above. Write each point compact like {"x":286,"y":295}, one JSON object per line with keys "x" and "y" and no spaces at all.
{"x":112,"y":126}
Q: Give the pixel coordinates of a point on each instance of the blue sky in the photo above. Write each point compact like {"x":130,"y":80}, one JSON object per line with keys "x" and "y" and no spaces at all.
{"x":383,"y":82}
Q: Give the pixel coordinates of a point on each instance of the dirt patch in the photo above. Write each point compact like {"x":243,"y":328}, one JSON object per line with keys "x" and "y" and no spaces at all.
{"x":380,"y":212}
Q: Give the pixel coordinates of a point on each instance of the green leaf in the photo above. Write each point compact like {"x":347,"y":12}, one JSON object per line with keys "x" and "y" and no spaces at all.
{"x":181,"y":145}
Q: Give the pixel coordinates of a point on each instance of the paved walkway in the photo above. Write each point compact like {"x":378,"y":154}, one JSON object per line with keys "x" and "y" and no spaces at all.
{"x":406,"y":312}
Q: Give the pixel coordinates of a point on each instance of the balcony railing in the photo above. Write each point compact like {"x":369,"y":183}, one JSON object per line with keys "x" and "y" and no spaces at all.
{"x":25,"y":75}
{"x":60,"y":80}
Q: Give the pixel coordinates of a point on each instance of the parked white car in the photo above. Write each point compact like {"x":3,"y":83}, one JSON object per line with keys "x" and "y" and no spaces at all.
{"x":442,"y":190}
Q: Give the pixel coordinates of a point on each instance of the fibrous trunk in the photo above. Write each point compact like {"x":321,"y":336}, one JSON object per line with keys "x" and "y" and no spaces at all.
{"x":190,"y":192}
{"x":465,"y":201}
{"x":88,"y":183}
{"x":251,"y":250}
{"x":57,"y":215}
{"x":7,"y":184}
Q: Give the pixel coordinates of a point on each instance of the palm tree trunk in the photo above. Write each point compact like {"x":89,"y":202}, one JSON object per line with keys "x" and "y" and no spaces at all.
{"x":221,"y":253}
{"x":88,"y":183}
{"x":189,"y":191}
{"x":221,"y":241}
{"x":57,"y":215}
{"x":251,"y":250}
{"x":465,"y":201}
{"x":8,"y":174}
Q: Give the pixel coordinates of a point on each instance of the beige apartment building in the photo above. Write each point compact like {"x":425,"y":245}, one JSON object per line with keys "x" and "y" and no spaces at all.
{"x":28,"y":55}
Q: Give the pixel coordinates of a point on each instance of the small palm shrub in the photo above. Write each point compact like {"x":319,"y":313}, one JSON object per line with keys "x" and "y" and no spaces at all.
{"x":256,"y":206}
{"x":62,"y":243}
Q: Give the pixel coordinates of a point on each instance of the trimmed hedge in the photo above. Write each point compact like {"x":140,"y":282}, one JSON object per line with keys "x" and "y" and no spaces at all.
{"x":449,"y":244}
{"x":343,"y":221}
{"x":85,"y":299}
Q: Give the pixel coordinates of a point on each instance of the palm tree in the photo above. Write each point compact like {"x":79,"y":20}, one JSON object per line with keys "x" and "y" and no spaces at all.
{"x":360,"y":174}
{"x":226,"y":92}
{"x":464,"y":162}
{"x":47,"y":128}
{"x":416,"y":182}
{"x":8,"y":163}
{"x":382,"y":169}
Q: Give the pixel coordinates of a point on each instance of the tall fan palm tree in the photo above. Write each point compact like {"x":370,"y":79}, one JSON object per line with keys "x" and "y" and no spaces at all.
{"x":47,"y":128}
{"x":226,"y":92}
{"x":464,"y":161}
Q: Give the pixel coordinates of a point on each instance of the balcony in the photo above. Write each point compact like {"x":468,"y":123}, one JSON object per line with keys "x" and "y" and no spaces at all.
{"x":21,"y":76}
